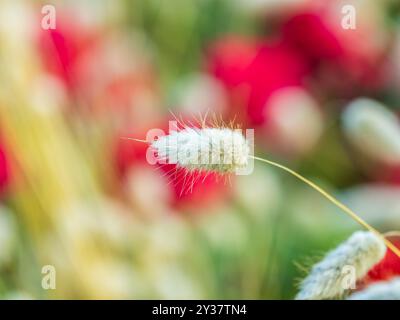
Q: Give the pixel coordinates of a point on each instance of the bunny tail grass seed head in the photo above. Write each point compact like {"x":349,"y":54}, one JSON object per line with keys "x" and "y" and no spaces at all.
{"x":222,"y":150}
{"x":386,"y":290}
{"x":329,"y":279}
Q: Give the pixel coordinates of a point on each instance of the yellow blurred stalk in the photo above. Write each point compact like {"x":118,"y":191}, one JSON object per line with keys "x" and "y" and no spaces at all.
{"x":51,"y":170}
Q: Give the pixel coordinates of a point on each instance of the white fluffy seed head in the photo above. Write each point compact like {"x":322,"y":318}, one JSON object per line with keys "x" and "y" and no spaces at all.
{"x":373,"y":129}
{"x":208,"y":149}
{"x":329,"y":279}
{"x":386,"y":290}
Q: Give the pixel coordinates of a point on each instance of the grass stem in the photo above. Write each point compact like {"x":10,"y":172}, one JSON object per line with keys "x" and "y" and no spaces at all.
{"x":336,"y":202}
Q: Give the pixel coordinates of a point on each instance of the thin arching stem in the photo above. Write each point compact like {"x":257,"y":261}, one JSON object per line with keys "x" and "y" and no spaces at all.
{"x":134,"y":139}
{"x":336,"y":202}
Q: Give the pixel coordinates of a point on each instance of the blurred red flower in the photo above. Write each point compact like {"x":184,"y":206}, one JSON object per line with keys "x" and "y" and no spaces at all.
{"x":308,"y":51}
{"x":311,"y":37}
{"x":4,"y":169}
{"x":336,"y":52}
{"x":105,"y":71}
{"x":252,"y":71}
{"x":387,"y":268}
{"x":387,"y":173}
{"x":61,"y":48}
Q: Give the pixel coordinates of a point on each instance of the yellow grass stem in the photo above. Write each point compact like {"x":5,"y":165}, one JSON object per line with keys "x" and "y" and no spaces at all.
{"x":336,"y":202}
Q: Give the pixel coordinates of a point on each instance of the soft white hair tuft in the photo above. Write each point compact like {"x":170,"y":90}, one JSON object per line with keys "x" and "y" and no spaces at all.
{"x":327,"y":278}
{"x":209,"y":149}
{"x":385,"y":290}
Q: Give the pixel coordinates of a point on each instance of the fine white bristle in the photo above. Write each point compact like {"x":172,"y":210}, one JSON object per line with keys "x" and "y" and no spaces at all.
{"x":386,"y":290}
{"x":209,"y":149}
{"x":328,"y":278}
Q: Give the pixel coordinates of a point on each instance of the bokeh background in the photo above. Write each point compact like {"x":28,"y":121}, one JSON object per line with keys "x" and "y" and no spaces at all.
{"x":322,"y":99}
